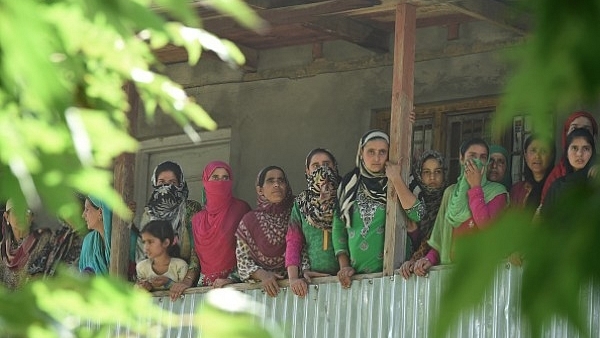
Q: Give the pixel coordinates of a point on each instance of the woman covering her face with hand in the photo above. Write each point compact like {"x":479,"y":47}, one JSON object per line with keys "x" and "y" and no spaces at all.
{"x":466,"y":206}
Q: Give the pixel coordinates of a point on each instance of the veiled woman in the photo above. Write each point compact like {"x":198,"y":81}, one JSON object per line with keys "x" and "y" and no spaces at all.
{"x":95,"y":250}
{"x":261,"y":234}
{"x":169,"y":202}
{"x":215,"y":225}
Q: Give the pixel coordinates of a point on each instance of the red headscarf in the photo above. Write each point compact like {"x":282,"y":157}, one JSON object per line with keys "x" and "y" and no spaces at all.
{"x":215,"y":225}
{"x":560,"y":169}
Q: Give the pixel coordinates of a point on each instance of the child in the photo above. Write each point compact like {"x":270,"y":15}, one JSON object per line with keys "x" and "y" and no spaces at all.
{"x":162,"y":268}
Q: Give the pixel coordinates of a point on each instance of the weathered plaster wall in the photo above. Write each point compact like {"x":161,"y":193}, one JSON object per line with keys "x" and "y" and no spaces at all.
{"x":294,"y":103}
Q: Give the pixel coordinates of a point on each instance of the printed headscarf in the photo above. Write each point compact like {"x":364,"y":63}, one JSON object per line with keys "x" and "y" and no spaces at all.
{"x":506,"y":181}
{"x":430,"y":196}
{"x":168,"y":202}
{"x":264,"y":228}
{"x":373,"y":185}
{"x":318,"y":210}
{"x":95,"y":250}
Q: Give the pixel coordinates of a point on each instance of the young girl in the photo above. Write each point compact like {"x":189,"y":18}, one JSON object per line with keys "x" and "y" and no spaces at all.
{"x":162,"y":268}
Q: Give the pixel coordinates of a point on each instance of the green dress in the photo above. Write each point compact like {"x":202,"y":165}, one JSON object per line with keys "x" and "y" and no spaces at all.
{"x":316,"y":255}
{"x":364,"y":241}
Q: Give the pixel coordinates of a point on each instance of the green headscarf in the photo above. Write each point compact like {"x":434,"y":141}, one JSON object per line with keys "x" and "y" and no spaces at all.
{"x":454,"y":210}
{"x":507,"y":179}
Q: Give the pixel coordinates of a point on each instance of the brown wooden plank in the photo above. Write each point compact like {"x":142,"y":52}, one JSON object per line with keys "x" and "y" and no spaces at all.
{"x":497,"y":13}
{"x":400,"y":131}
{"x":124,"y":176}
{"x":353,"y":31}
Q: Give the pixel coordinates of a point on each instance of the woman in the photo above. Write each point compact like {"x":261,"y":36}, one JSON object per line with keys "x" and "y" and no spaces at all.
{"x":538,"y":154}
{"x":28,"y":250}
{"x":430,"y":178}
{"x":215,"y":225}
{"x":579,"y":156}
{"x":169,"y":202}
{"x":578,"y":119}
{"x":466,"y":206}
{"x":499,"y":166}
{"x":95,"y":250}
{"x":261,"y":233}
{"x":309,"y":251}
{"x":359,"y":225}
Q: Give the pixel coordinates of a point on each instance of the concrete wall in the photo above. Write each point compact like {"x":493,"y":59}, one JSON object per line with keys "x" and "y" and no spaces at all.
{"x":294,"y":103}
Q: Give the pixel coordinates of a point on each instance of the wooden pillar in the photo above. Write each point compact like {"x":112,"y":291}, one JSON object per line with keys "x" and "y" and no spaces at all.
{"x":124,"y":171}
{"x":400,"y":131}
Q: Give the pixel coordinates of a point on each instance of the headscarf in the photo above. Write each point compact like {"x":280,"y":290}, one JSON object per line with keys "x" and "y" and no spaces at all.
{"x":373,"y":185}
{"x":581,"y":132}
{"x":506,"y":181}
{"x":264,"y":228}
{"x":430,"y":196}
{"x":454,"y":210}
{"x":95,"y":250}
{"x":560,"y":168}
{"x":215,"y":225}
{"x":168,"y":202}
{"x":534,"y":195}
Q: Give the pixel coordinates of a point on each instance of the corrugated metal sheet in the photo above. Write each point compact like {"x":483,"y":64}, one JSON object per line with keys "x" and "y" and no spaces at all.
{"x":387,"y":307}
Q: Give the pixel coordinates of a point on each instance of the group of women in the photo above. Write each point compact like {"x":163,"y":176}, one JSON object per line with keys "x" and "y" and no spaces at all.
{"x":336,"y":226}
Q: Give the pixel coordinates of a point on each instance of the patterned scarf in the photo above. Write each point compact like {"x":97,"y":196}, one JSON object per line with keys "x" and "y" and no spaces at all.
{"x":431,"y":197}
{"x":318,"y":209}
{"x":14,"y":254}
{"x":264,"y":229}
{"x":168,"y":202}
{"x":372,"y":185}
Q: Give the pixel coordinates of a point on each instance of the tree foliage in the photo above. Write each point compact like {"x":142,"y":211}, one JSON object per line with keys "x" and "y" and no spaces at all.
{"x":64,"y":65}
{"x":556,"y":70}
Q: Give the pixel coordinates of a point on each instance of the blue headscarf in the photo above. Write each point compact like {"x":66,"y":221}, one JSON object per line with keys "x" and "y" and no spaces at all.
{"x":95,"y":250}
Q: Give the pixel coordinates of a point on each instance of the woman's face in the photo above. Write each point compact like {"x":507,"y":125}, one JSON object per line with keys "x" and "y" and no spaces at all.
{"x":374,"y":154}
{"x":14,"y":221}
{"x":475,"y":151}
{"x":92,"y":216}
{"x":167,"y":177}
{"x":496,"y":167}
{"x":274,"y":188}
{"x":581,"y":122}
{"x":579,"y":153}
{"x":319,"y":160}
{"x":219,"y":174}
{"x":432,"y":173}
{"x":537,"y":157}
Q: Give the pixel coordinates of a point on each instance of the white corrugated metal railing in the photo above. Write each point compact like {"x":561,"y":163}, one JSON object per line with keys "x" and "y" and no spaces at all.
{"x":387,"y":307}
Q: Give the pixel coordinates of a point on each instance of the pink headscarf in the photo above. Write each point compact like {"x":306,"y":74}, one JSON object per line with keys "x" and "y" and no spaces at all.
{"x":215,"y":225}
{"x":560,"y":169}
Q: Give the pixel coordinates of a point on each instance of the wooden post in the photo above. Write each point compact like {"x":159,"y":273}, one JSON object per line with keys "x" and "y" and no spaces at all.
{"x":400,"y":132}
{"x":124,"y":171}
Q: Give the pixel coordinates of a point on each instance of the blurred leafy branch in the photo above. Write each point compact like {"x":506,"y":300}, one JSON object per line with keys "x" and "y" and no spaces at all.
{"x":64,"y":66}
{"x":555,"y":70}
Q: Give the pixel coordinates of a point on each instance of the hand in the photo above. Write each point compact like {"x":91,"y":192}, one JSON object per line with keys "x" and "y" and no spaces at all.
{"x":344,"y":276}
{"x":221,"y":282}
{"x":393,"y":170}
{"x":422,"y":266}
{"x":143,"y":284}
{"x":412,"y":117}
{"x":269,"y":283}
{"x":159,"y":281}
{"x":472,"y":174}
{"x":406,"y":269}
{"x":177,"y":290}
{"x":299,"y":287}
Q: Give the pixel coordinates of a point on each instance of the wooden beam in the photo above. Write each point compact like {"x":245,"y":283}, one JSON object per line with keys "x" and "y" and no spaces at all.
{"x":265,"y":4}
{"x":223,"y":25}
{"x":124,"y":176}
{"x":174,"y":54}
{"x":497,"y":13}
{"x":400,"y":132}
{"x":353,"y":31}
